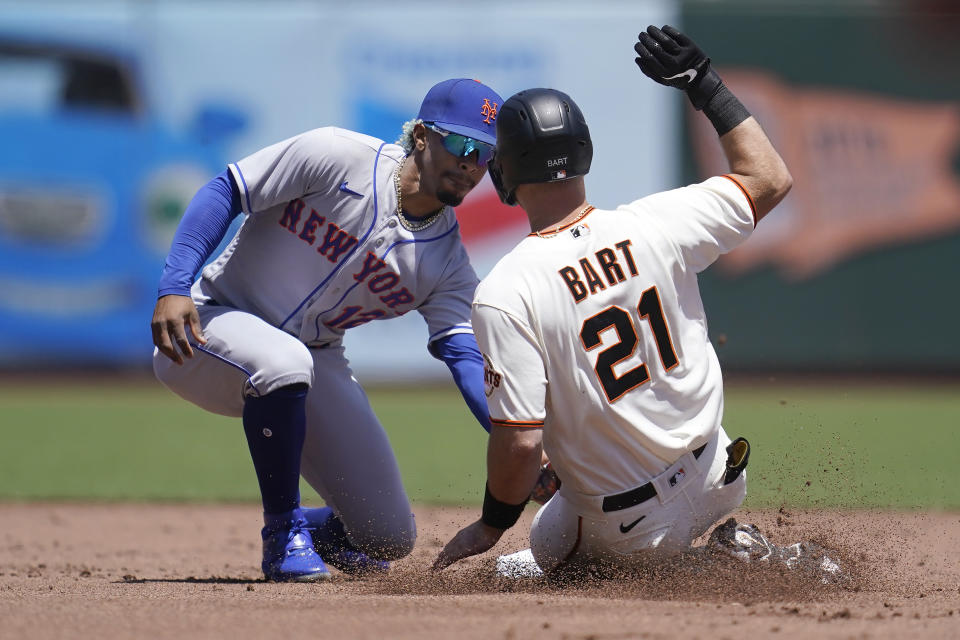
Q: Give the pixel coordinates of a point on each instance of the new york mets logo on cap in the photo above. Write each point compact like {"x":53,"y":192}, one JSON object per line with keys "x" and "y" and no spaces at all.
{"x":488,"y":111}
{"x":464,"y":106}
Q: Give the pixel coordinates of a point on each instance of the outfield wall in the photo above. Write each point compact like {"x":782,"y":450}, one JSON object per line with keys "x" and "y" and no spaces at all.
{"x":853,"y":272}
{"x":215,"y":81}
{"x":857,"y":268}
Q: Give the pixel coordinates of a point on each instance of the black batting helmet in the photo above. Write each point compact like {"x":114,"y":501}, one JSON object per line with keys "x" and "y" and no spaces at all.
{"x":541,"y":137}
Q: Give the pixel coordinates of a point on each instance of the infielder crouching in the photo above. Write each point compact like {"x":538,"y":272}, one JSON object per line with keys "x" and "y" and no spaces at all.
{"x":595,"y":340}
{"x":341,"y":229}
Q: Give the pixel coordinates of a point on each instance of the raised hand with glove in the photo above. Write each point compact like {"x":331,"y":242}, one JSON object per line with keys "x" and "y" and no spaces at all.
{"x":672,"y":59}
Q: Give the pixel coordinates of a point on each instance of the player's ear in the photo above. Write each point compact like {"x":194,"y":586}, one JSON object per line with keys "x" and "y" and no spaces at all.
{"x":419,"y":137}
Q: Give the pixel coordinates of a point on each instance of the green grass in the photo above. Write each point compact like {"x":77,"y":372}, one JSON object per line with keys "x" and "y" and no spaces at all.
{"x":856,"y":446}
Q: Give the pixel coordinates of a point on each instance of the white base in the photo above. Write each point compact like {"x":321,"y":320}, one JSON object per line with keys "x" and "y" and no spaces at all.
{"x":519,"y":565}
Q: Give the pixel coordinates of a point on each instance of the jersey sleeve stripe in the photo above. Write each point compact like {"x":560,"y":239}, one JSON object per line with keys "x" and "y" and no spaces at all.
{"x":243,"y":181}
{"x":463,"y":328}
{"x":753,"y":207}
{"x":517,"y":423}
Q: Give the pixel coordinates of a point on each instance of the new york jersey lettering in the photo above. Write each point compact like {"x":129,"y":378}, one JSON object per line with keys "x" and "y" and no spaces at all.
{"x":398,"y":297}
{"x":309,"y":231}
{"x":291,"y":215}
{"x":336,"y":243}
{"x":371,"y":263}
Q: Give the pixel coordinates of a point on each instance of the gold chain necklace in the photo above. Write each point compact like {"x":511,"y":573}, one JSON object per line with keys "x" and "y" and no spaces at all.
{"x":553,"y":234}
{"x":410,"y":225}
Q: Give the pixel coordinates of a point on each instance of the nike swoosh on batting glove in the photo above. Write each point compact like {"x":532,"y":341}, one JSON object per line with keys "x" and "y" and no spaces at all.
{"x":670,"y":58}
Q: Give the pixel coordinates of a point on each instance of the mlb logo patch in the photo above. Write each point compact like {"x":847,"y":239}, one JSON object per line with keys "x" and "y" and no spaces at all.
{"x":677,"y":477}
{"x":559,"y":174}
{"x":580,"y":230}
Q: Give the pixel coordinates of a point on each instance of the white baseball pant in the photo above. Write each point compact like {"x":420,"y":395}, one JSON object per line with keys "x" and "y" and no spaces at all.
{"x":346,"y":458}
{"x":690,"y":497}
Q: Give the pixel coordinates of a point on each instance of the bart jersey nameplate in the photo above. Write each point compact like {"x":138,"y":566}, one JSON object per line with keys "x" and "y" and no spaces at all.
{"x":585,"y":278}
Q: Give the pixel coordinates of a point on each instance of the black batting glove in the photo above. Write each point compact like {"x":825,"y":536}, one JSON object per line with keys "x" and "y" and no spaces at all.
{"x":672,"y":59}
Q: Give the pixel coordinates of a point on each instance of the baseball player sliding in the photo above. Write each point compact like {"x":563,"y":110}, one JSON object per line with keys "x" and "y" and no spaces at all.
{"x":341,"y":229}
{"x":595,"y":341}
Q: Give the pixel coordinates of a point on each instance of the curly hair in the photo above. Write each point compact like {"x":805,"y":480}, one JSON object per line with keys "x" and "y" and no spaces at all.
{"x":406,"y":136}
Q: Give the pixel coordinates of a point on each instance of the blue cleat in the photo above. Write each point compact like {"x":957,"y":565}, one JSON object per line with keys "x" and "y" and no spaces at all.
{"x":288,"y":553}
{"x":353,"y":562}
{"x":330,"y":541}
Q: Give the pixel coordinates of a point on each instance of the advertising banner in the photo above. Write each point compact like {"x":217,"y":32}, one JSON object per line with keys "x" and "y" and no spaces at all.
{"x":112,"y":114}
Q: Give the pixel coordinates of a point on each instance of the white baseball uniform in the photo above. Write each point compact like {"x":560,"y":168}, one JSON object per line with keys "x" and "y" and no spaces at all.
{"x":322,"y":251}
{"x":597,"y":333}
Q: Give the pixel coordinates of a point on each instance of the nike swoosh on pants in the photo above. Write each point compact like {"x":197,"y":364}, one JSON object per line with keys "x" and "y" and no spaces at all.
{"x":625,"y":528}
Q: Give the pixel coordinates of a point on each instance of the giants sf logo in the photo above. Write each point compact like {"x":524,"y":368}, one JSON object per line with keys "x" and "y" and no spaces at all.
{"x":491,"y":378}
{"x":488,"y":111}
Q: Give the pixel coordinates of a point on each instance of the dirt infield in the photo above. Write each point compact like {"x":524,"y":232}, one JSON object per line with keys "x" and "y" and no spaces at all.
{"x":173,"y":571}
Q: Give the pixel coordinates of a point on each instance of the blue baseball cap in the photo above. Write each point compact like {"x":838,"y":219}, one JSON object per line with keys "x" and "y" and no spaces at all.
{"x":463,"y":106}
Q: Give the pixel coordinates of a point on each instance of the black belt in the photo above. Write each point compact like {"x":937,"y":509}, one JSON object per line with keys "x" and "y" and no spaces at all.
{"x":634,"y":497}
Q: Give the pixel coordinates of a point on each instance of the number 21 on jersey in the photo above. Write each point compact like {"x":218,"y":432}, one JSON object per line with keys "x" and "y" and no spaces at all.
{"x":650,"y":310}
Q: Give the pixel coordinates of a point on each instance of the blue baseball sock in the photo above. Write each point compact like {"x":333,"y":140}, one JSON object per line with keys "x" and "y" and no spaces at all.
{"x":275,"y":425}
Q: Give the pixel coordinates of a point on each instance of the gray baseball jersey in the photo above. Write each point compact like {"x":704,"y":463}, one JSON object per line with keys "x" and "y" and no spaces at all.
{"x":322,"y":251}
{"x":598,"y":333}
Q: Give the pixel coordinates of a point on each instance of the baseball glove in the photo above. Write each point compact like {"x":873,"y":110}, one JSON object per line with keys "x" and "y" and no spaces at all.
{"x":547,"y":485}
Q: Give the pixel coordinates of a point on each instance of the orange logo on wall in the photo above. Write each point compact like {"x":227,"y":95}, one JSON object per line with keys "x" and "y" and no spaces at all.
{"x":488,"y":111}
{"x":869,"y":171}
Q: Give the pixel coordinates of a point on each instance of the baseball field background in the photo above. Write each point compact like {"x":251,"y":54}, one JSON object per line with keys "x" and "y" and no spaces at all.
{"x":838,"y":443}
{"x":126,"y":512}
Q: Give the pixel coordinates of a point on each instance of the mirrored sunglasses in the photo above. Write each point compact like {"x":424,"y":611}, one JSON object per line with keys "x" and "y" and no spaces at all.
{"x":462,"y":146}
